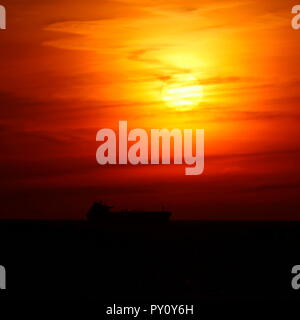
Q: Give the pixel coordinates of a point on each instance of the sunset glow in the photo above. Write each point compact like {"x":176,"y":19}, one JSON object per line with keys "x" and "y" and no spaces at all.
{"x":182,"y":93}
{"x":230,"y":68}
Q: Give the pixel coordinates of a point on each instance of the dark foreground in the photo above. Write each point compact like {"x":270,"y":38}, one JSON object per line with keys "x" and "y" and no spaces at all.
{"x":182,"y":261}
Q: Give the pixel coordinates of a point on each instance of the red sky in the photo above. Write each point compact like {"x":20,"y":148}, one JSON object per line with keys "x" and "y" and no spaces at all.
{"x":70,"y":68}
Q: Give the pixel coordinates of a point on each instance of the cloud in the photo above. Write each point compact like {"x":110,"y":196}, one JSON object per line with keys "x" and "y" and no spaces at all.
{"x":271,"y":187}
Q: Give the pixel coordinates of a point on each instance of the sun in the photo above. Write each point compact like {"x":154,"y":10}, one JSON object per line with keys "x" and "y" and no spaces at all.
{"x":183,"y":92}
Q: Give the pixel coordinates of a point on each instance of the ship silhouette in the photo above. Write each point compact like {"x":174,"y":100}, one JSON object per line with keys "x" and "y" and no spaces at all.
{"x":101,"y":213}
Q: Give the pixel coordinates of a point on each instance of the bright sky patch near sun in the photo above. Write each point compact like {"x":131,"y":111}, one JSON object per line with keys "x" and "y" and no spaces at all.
{"x":183,"y":92}
{"x":138,"y":54}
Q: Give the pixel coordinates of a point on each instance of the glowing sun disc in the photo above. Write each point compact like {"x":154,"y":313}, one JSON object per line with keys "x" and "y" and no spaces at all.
{"x":183,"y":92}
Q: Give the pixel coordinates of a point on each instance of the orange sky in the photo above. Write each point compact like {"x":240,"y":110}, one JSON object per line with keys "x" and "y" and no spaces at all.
{"x":69,"y":68}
